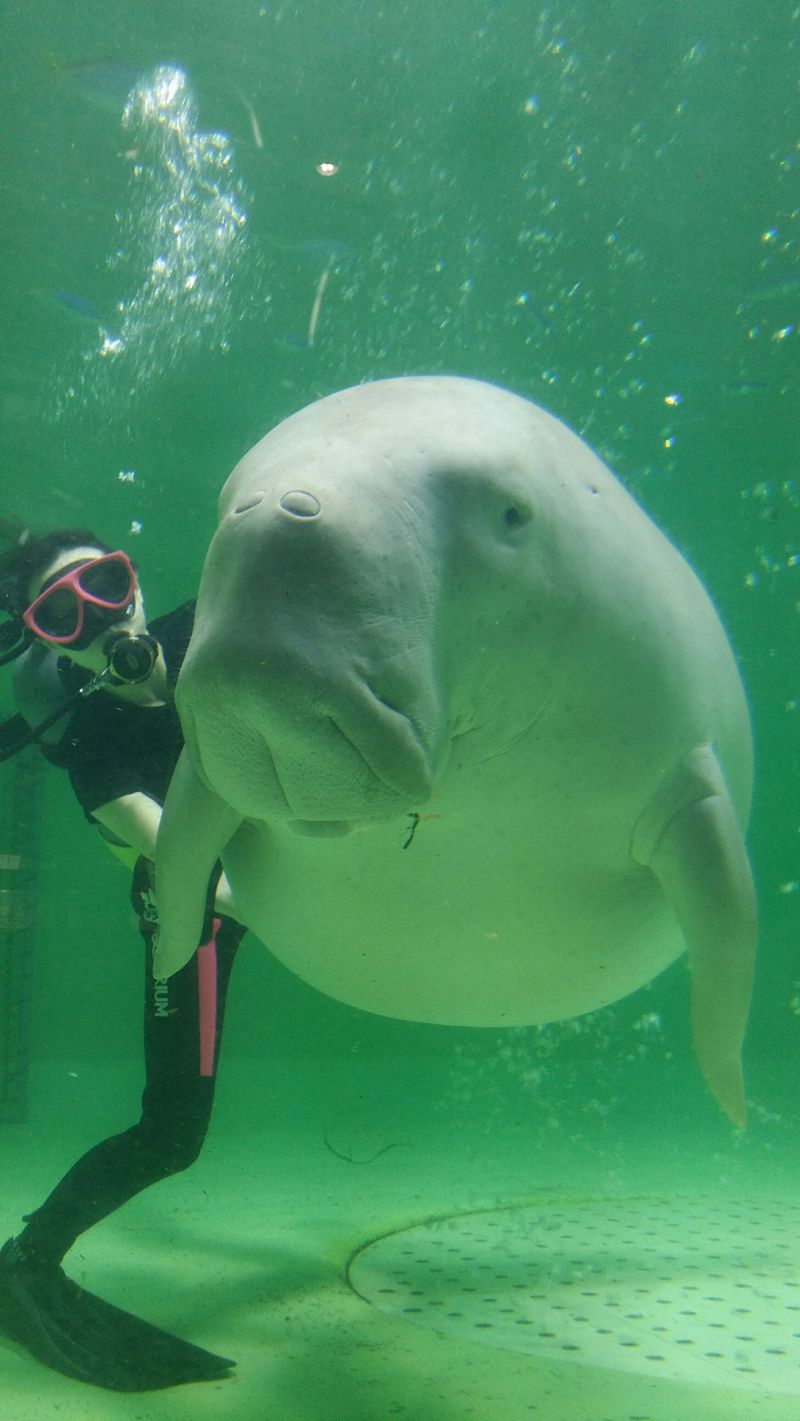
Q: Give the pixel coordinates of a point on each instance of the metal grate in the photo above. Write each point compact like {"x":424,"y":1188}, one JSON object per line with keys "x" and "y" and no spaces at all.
{"x":696,"y":1290}
{"x":20,"y":805}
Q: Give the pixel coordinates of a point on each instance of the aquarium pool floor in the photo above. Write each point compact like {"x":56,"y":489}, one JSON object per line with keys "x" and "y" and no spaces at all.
{"x":451,"y":1277}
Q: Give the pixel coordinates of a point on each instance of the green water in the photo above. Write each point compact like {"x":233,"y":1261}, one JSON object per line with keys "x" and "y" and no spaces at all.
{"x":595,"y":205}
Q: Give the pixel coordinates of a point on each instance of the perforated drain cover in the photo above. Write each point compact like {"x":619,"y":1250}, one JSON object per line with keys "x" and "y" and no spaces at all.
{"x":691,"y":1289}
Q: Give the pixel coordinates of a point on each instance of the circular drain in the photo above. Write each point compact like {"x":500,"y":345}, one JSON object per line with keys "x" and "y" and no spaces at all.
{"x":689,"y":1289}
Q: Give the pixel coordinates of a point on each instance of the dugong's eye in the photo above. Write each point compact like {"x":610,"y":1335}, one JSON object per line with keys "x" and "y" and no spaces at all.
{"x":516,"y":515}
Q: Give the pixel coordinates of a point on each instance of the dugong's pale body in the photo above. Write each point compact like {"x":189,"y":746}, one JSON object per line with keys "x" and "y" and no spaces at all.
{"x":463,"y":724}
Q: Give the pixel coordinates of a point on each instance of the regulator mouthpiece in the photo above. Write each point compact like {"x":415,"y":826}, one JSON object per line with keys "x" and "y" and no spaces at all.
{"x":130,"y":657}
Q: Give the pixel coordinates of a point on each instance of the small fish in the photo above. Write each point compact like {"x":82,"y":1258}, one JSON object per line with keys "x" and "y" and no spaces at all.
{"x":746,"y":387}
{"x":314,"y":252}
{"x":292,"y":340}
{"x":541,"y":319}
{"x":104,"y":82}
{"x":537,"y":314}
{"x":78,"y":305}
{"x":778,"y":291}
{"x":82,"y":309}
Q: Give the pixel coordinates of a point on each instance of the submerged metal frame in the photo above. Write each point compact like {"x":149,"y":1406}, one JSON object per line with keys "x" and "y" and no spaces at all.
{"x":20,"y":816}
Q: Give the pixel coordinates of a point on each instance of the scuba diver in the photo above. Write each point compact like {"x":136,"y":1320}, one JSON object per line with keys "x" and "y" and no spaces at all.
{"x":94,"y":685}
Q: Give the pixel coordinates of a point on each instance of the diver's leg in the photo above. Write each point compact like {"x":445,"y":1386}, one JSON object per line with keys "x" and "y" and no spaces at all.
{"x":183,"y":1020}
{"x":182,"y":1037}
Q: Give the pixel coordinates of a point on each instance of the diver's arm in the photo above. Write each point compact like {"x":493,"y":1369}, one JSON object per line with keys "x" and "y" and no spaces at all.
{"x":134,"y":819}
{"x":39,"y":690}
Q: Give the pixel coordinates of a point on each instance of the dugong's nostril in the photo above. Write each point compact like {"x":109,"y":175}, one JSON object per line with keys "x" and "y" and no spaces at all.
{"x":251,"y":502}
{"x":300,"y":504}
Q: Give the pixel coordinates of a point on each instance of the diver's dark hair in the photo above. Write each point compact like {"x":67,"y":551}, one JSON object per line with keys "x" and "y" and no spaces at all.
{"x":30,"y":555}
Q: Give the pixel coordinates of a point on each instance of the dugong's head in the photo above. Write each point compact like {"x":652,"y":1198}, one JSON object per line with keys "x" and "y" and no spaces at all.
{"x":362,"y":597}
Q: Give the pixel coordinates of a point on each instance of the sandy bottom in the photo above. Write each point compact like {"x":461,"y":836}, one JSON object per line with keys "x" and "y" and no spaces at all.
{"x":248,"y":1252}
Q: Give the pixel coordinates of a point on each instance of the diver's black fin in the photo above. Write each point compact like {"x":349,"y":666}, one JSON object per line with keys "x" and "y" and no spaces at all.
{"x":83,"y":1337}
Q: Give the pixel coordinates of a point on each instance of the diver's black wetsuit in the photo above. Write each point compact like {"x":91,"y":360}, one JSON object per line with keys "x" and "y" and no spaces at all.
{"x":111,"y":748}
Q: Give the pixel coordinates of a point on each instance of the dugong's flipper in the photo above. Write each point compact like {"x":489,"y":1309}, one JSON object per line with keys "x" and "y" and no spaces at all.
{"x":194,"y":829}
{"x":700,"y":860}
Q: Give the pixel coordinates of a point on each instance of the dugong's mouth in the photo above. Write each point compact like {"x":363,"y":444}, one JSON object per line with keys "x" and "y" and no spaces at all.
{"x":321,"y":773}
{"x":321,"y":828}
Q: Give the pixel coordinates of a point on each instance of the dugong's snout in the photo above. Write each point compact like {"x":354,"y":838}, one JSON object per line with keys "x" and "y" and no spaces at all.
{"x":304,"y":748}
{"x":310,"y":690}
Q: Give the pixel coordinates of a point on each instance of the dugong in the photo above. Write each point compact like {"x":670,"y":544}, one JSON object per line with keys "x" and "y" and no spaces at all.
{"x":463,"y":726}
